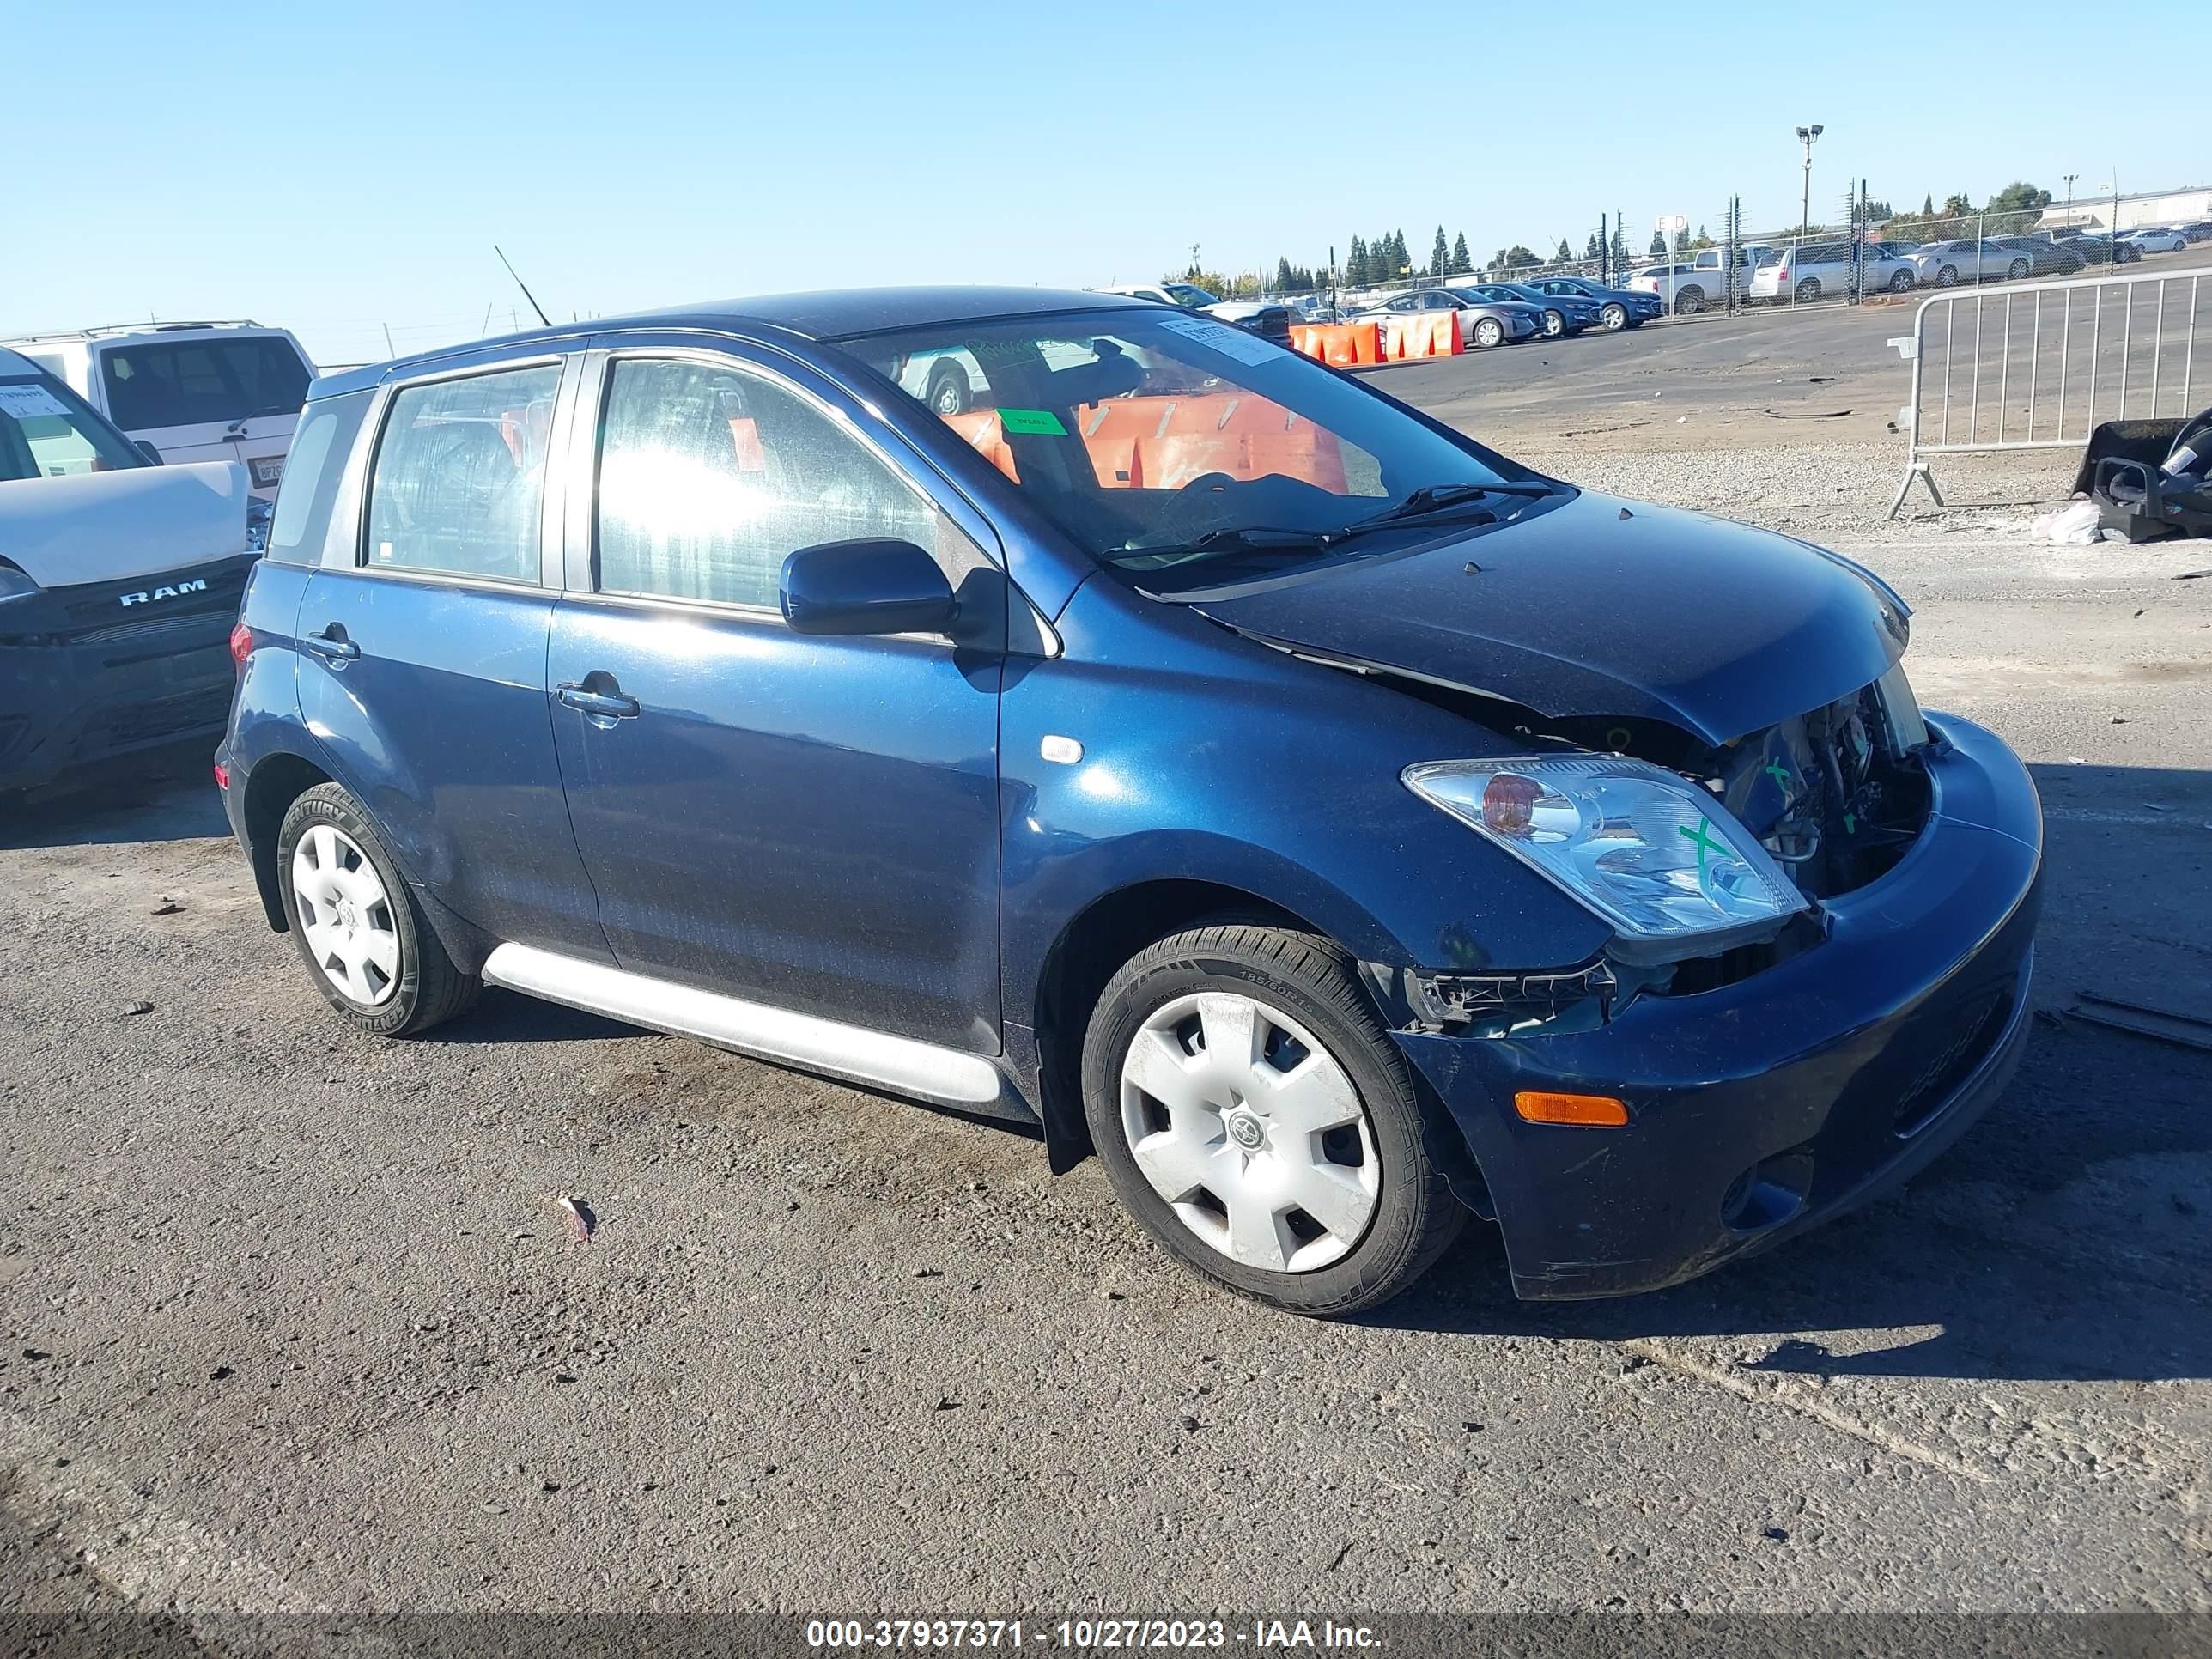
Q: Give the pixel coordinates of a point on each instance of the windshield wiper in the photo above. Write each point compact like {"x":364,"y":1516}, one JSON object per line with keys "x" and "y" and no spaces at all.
{"x":1238,"y":538}
{"x":1435,"y":498}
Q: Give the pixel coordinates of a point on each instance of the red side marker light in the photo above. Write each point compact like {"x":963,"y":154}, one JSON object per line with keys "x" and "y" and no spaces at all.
{"x":221,"y":776}
{"x":242,"y":644}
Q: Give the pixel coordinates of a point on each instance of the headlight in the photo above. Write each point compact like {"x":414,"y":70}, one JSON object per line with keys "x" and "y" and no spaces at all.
{"x":1645,"y":849}
{"x":14,"y":584}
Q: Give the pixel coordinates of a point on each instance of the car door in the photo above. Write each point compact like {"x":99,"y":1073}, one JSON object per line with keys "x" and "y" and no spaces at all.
{"x":422,"y":639}
{"x":811,"y":822}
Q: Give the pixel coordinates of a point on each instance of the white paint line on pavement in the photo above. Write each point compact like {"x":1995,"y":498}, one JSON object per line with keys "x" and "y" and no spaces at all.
{"x":2109,"y":815}
{"x":1780,"y":1391}
{"x":144,"y":1551}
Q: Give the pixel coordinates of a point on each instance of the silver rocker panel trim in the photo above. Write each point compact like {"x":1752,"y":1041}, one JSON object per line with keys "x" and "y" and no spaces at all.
{"x":852,"y":1052}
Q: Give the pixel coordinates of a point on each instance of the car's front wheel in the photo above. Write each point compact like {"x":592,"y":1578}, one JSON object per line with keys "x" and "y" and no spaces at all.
{"x":2017,"y":269}
{"x":948,"y":391}
{"x":1254,"y":1115}
{"x":1947,"y":277}
{"x":357,"y":923}
{"x":1614,"y":317}
{"x":1489,"y":331}
{"x":1555,"y":324}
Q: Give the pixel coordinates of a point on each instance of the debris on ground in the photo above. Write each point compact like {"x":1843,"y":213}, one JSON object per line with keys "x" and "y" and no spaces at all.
{"x":2072,"y":525}
{"x":581,"y":1220}
{"x":2144,"y":1019}
{"x":140,"y":1007}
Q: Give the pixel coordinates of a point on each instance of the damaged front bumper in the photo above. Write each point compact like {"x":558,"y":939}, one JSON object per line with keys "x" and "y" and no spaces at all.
{"x":1766,"y":1103}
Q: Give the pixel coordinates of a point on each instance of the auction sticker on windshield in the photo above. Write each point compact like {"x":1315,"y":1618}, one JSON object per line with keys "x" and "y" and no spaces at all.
{"x":22,"y":401}
{"x":1226,"y":338}
{"x":1031,"y":423}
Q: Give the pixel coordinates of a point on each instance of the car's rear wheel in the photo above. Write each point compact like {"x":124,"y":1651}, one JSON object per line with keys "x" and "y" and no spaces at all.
{"x":1808,"y":291}
{"x":1615,"y":316}
{"x":1255,"y":1117}
{"x":1489,"y":331}
{"x":2017,"y":269}
{"x":358,"y":924}
{"x":1899,"y":282}
{"x":1690,"y":301}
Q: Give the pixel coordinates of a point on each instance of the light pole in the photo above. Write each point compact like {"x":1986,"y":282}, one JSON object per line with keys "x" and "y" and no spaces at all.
{"x":1805,"y":136}
{"x":2070,"y":178}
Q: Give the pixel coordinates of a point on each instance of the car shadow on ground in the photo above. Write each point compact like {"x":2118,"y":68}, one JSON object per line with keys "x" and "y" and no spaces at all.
{"x":2065,"y":1236}
{"x":503,"y":1016}
{"x":161,"y":794}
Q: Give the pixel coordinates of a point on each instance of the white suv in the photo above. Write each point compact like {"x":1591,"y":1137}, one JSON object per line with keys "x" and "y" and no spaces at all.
{"x":195,"y":392}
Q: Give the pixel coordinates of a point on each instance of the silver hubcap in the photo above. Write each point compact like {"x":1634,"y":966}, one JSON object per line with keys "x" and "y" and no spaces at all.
{"x":345,"y":915}
{"x":1251,"y":1132}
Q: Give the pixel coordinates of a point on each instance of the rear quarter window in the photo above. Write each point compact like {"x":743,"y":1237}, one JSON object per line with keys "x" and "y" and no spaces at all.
{"x":318,"y":461}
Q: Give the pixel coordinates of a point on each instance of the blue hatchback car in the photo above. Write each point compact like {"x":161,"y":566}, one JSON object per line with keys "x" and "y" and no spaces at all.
{"x":1186,"y":749}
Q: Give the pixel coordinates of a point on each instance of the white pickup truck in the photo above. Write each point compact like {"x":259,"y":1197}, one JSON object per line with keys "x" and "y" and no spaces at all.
{"x":119,"y":583}
{"x":1688,"y":286}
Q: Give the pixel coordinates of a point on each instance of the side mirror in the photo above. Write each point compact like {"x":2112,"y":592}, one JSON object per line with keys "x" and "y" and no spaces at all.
{"x":150,"y":452}
{"x":872,"y":586}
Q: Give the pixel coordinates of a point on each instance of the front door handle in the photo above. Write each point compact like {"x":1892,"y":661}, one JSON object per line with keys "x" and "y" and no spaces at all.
{"x":330,"y":644}
{"x":607,"y":705}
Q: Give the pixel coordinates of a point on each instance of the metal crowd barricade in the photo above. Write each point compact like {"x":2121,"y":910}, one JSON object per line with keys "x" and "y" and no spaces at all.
{"x":2030,"y":366}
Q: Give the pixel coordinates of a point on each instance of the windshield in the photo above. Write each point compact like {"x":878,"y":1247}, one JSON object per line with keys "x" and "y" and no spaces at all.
{"x":46,"y":431}
{"x":1177,"y":446}
{"x":1190,"y":296}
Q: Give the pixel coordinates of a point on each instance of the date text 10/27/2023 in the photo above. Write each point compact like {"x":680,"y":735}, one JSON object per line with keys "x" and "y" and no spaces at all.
{"x":1094,"y":1635}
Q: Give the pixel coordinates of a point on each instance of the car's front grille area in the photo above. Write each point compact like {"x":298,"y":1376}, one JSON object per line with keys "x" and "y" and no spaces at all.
{"x":1979,"y":1027}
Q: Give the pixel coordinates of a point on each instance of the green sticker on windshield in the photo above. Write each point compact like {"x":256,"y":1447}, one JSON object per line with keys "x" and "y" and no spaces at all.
{"x":1031,"y":423}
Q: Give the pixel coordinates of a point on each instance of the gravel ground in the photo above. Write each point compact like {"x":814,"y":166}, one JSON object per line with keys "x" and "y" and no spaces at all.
{"x":291,"y":1323}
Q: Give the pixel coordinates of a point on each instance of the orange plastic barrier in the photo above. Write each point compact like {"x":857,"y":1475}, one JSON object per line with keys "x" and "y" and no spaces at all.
{"x":1422,"y":334}
{"x":1165,"y":442}
{"x":1345,"y":346}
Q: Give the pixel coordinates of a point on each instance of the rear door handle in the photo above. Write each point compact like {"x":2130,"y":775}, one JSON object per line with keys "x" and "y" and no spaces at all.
{"x":330,"y":644}
{"x":607,"y":705}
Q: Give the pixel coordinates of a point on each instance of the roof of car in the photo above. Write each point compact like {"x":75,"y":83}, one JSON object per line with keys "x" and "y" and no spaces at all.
{"x":827,"y":314}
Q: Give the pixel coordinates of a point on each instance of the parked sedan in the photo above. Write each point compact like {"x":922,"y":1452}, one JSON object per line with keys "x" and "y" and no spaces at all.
{"x":1481,"y":322}
{"x":1562,"y":314}
{"x":1617,"y":307}
{"x":1336,"y":828}
{"x":2155,"y":238}
{"x":2047,"y":256}
{"x":1967,"y":260}
{"x":2100,"y":250}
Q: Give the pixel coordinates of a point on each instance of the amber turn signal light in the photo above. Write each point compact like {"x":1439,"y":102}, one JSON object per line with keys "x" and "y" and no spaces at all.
{"x":1586,"y":1111}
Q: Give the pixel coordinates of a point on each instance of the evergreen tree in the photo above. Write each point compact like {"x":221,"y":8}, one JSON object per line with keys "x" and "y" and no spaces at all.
{"x":1658,"y":244}
{"x":1460,"y":264}
{"x":1593,"y":249}
{"x":1401,"y":263}
{"x":1355,"y":265}
{"x":1928,"y":205}
{"x":1283,"y":276}
{"x":1682,"y":240}
{"x":1439,"y":255}
{"x":1565,"y":253}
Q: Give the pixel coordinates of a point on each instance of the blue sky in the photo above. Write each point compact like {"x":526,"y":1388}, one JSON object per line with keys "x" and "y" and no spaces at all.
{"x":341,"y":169}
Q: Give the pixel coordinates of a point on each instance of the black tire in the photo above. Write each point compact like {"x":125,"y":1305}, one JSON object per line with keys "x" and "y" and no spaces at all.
{"x":1947,"y":276}
{"x":1489,"y":331}
{"x":1614,"y":317}
{"x":1808,"y":291}
{"x":2017,"y":269}
{"x":1689,"y":301}
{"x":1312,"y":980}
{"x":948,"y":391}
{"x":429,"y":989}
{"x":1901,"y":281}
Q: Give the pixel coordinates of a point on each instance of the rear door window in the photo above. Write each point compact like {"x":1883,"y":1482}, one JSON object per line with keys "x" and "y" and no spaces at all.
{"x":202,"y":382}
{"x":459,"y":477}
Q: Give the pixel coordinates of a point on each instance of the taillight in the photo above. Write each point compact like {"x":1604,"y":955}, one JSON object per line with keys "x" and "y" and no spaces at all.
{"x":242,"y":644}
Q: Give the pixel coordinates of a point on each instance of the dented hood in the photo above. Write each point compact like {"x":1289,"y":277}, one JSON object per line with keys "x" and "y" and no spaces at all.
{"x":140,"y":521}
{"x":1598,"y":607}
